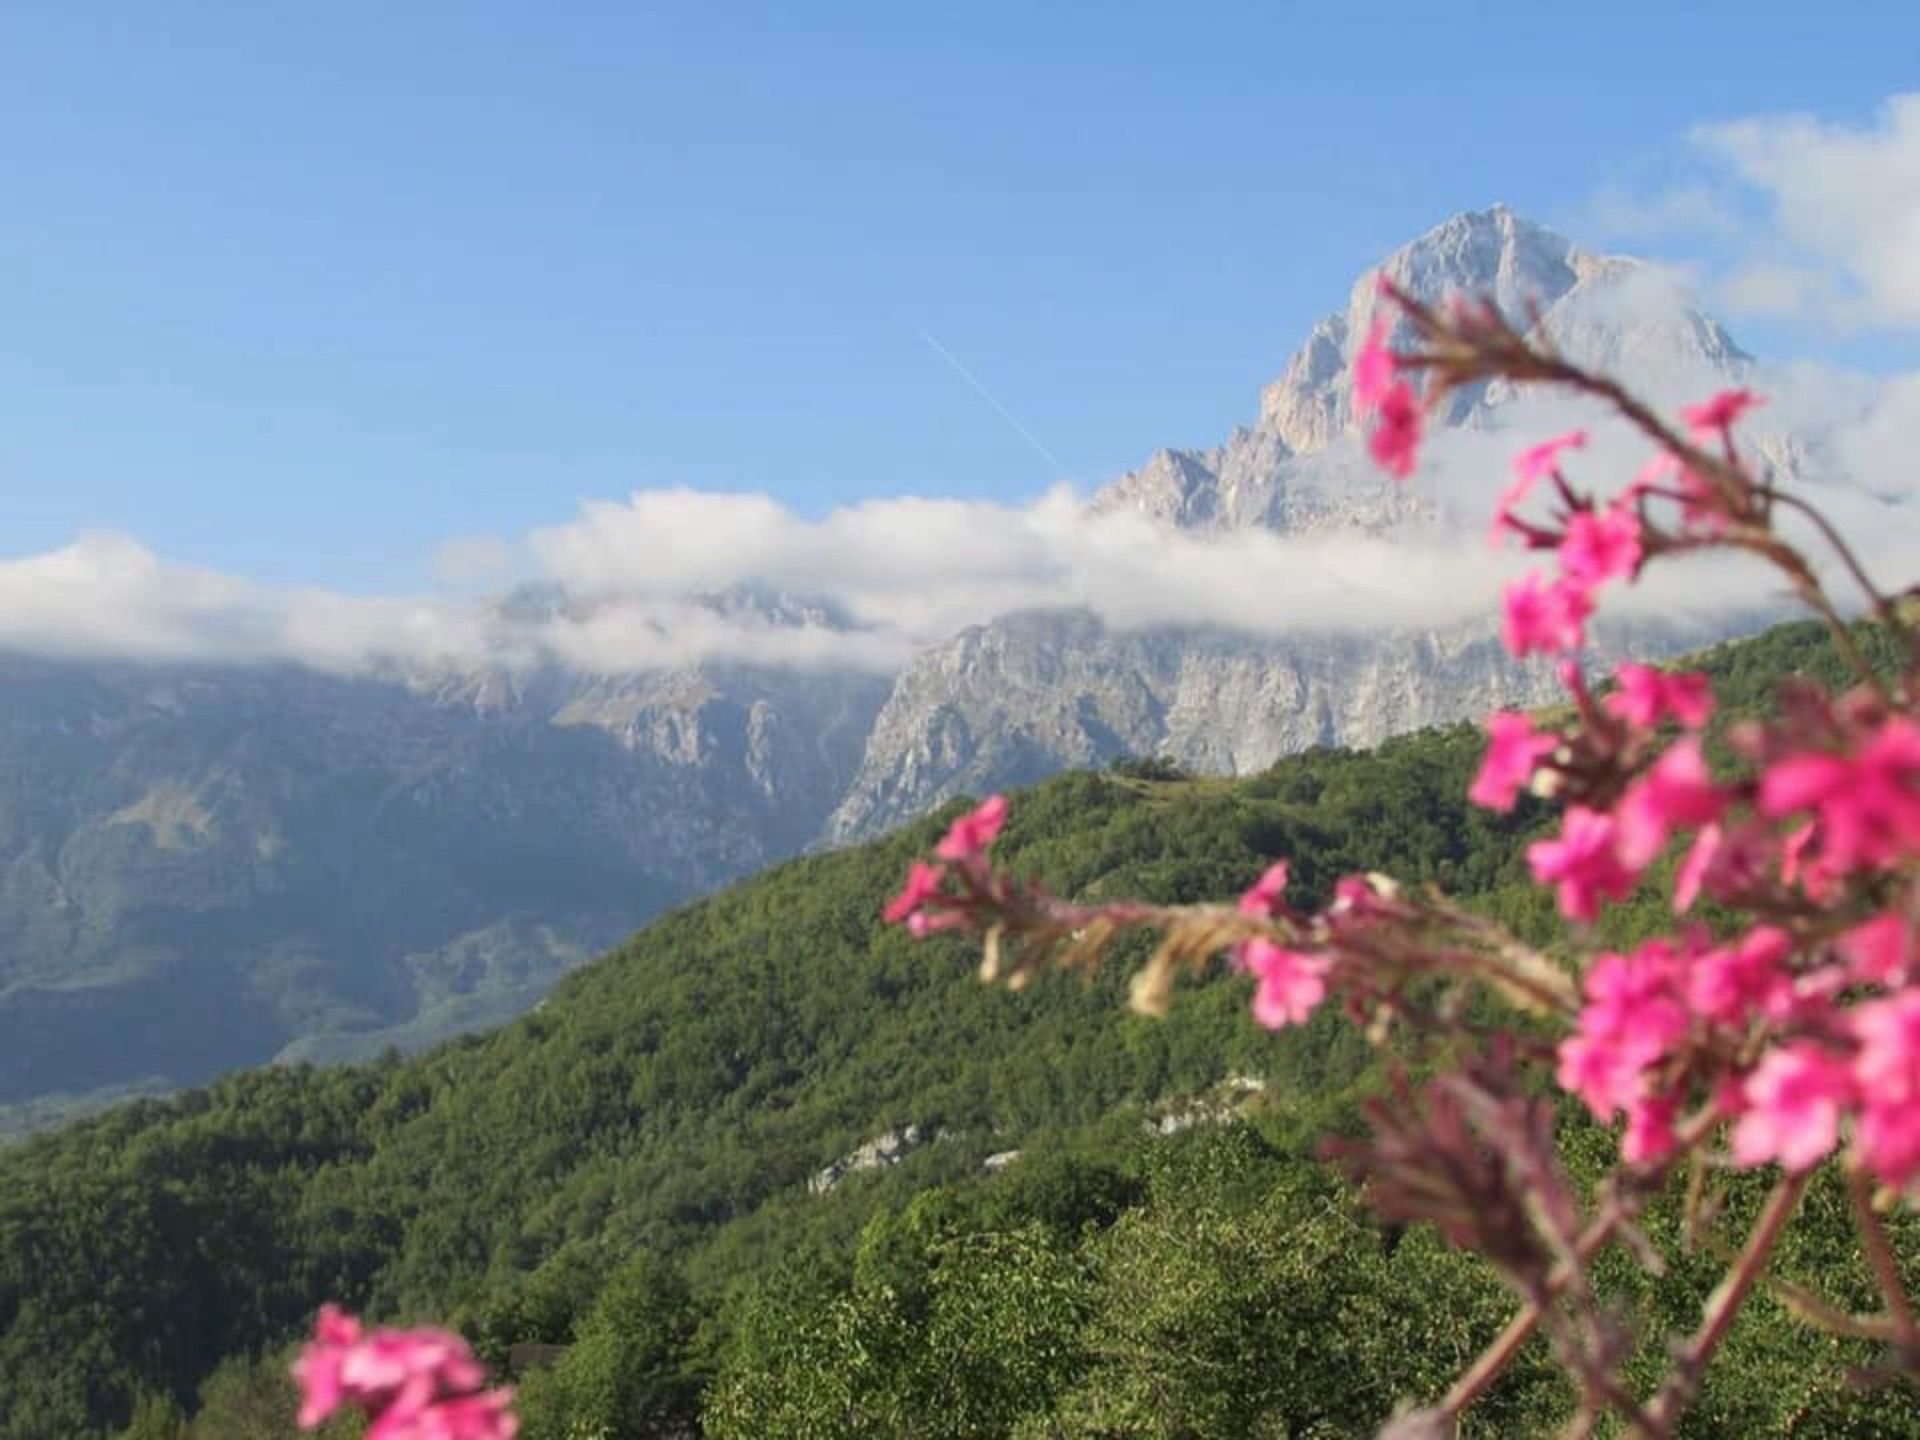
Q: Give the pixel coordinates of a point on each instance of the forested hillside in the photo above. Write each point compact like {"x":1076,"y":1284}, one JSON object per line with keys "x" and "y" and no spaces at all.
{"x":626,"y":1171}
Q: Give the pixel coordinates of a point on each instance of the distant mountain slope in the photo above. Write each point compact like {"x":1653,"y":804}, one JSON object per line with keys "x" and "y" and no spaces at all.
{"x":201,"y":866}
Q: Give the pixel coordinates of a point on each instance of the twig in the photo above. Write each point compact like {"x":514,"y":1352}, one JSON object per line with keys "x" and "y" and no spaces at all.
{"x":1886,"y":1269}
{"x":1722,"y":1306}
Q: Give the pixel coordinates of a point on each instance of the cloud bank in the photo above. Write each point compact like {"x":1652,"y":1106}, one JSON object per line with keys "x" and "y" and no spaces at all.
{"x":678,"y":576}
{"x":670,"y":577}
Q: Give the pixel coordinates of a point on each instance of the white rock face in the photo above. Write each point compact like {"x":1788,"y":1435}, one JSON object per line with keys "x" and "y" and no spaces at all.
{"x":1491,"y":253}
{"x":877,"y":1154}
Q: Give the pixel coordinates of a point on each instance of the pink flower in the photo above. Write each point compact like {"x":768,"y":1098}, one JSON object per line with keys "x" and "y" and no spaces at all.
{"x":1793,"y":852}
{"x":1887,"y":1070}
{"x":1701,"y":508}
{"x":1661,"y":468}
{"x":1529,"y":468}
{"x":1734,"y":984}
{"x":1602,"y":546}
{"x":1721,"y":412}
{"x":1879,"y":952}
{"x":1694,"y":870}
{"x":1638,"y":994}
{"x":1395,"y":442}
{"x":1676,"y":792}
{"x":1649,"y":1138}
{"x":1544,"y":616}
{"x":923,"y":923}
{"x":1794,"y":1099}
{"x":1291,"y":984}
{"x":317,"y":1371}
{"x":1583,"y":863}
{"x":1888,"y":1065}
{"x":1644,"y":696}
{"x":1632,"y":1018}
{"x":407,"y":1368}
{"x":413,"y":1384}
{"x":1265,"y":895}
{"x":1888,"y":1140}
{"x":1356,"y":904}
{"x":972,"y":833}
{"x":1868,"y":803}
{"x":1372,"y":368}
{"x":923,"y":884}
{"x":1639,"y":696}
{"x":1513,"y":750}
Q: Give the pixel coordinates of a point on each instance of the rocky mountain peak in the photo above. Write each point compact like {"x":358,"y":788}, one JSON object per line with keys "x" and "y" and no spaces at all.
{"x":1267,"y":474}
{"x":1491,"y":252}
{"x":1288,"y":471}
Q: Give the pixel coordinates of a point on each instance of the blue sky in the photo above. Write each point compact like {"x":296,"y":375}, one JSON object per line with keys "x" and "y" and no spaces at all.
{"x":300,"y":292}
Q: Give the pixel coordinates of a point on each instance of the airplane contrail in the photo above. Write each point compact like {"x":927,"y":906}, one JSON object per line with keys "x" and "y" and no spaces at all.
{"x":988,"y":396}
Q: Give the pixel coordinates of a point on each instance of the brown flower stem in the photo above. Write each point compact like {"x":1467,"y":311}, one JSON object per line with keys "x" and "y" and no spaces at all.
{"x":1883,"y":607}
{"x":1723,"y":475}
{"x":1458,"y":355}
{"x":1495,"y":1358}
{"x":1722,"y":1306}
{"x":1886,"y":1269}
{"x":1616,"y":1213}
{"x":1794,"y":566}
{"x":1810,"y":1308}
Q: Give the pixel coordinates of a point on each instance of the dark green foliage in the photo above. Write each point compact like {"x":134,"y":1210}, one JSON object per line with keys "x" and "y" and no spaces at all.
{"x":1241,"y":1293}
{"x":626,"y":1373}
{"x":673,"y":1099}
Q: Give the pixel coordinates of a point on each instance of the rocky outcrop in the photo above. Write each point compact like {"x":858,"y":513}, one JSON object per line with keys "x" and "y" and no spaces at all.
{"x":879,"y":1153}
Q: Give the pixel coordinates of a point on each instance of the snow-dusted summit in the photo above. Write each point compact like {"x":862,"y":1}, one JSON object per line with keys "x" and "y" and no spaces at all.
{"x":1282,"y":471}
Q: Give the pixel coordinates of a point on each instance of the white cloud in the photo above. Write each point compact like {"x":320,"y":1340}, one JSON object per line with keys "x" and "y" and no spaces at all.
{"x":1776,"y":288}
{"x":107,"y":595}
{"x":1845,"y":199}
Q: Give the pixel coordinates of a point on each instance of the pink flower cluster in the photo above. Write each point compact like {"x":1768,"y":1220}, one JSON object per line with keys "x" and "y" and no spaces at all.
{"x":411,"y":1384}
{"x":1601,"y":851}
{"x":925,"y":905}
{"x":1595,"y":544}
{"x":1290,"y":984}
{"x":1514,"y":751}
{"x":1655,"y":1015}
{"x":1865,"y":800}
{"x":1835,"y":1024}
{"x":1377,"y":391}
{"x":1645,"y":697}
